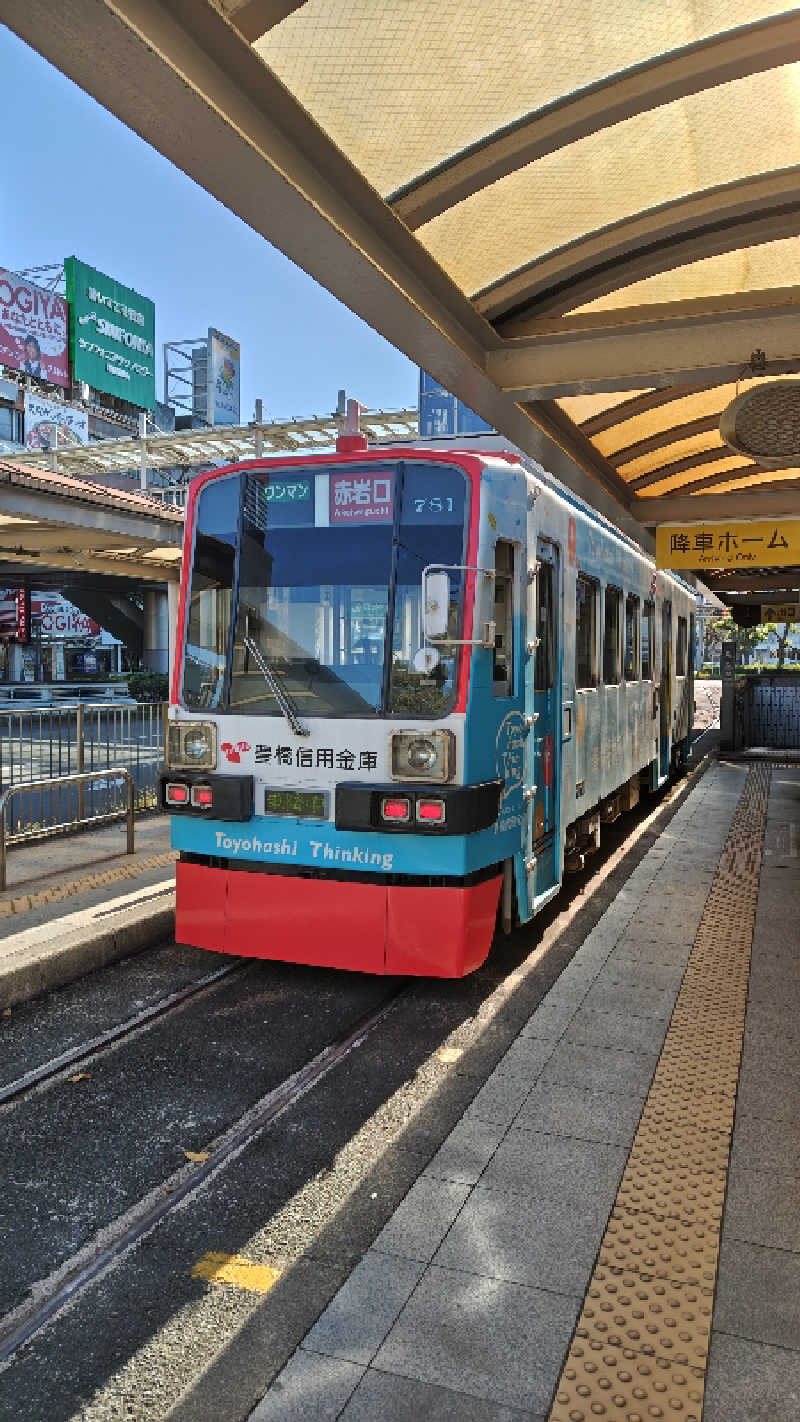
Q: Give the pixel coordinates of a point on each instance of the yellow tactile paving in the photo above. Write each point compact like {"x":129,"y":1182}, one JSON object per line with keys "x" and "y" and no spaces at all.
{"x":662,"y":1247}
{"x":640,"y":1346}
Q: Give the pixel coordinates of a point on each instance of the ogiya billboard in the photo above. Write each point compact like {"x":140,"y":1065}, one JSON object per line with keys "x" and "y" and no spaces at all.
{"x":223,"y":379}
{"x":33,"y":329}
{"x":112,"y":333}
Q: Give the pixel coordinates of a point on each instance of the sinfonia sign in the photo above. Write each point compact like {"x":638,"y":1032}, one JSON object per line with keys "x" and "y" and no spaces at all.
{"x":112,"y":332}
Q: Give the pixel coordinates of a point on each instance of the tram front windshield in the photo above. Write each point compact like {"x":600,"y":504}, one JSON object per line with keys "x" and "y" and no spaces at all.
{"x":320,"y":573}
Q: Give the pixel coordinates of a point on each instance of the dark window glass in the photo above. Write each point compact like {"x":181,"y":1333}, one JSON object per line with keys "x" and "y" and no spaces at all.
{"x":647,"y":641}
{"x":326,"y":561}
{"x":210,"y":596}
{"x":546,"y":604}
{"x":503,"y":615}
{"x":631,"y":667}
{"x":6,"y":422}
{"x":682,"y":647}
{"x":585,"y":632}
{"x":611,"y":659}
{"x":431,"y":531}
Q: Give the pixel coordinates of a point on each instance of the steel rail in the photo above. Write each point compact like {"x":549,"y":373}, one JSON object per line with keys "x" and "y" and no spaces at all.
{"x":182,"y":1185}
{"x":87,"y":1050}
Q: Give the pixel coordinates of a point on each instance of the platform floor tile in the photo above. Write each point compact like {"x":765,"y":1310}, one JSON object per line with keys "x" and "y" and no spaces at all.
{"x":311,"y":1388}
{"x":587,"y":1115}
{"x":486,"y":1337}
{"x":386,"y":1397}
{"x":751,"y":1382}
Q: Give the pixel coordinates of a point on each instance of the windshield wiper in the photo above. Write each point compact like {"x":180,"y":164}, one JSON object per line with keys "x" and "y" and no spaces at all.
{"x":281,"y":696}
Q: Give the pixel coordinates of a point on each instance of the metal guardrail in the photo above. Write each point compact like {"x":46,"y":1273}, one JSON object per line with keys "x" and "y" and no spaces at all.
{"x":40,"y":747}
{"x":79,"y":780}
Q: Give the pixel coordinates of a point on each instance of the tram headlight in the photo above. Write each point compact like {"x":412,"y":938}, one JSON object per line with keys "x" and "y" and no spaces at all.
{"x":422,"y":755}
{"x":191,"y":745}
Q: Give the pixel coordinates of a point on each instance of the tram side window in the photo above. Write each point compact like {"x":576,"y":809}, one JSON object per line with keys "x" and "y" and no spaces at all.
{"x":631,"y":667}
{"x":681,"y":651}
{"x":503,"y":672}
{"x":611,"y":657}
{"x":586,"y":591}
{"x":648,"y":615}
{"x":546,"y":603}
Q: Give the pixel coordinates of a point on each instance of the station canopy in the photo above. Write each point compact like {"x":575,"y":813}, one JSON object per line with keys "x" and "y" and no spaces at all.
{"x":583,"y":219}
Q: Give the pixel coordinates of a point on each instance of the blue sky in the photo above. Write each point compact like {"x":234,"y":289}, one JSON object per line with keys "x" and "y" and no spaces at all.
{"x":76,"y":181}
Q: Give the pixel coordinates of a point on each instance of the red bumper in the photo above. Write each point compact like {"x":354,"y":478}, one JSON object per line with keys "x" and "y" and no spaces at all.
{"x":333,"y":923}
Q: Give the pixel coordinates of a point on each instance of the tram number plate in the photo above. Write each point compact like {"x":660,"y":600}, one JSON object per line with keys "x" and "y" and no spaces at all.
{"x":297,"y":804}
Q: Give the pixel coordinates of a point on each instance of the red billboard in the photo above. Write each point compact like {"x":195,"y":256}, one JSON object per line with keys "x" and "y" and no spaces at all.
{"x":33,"y":329}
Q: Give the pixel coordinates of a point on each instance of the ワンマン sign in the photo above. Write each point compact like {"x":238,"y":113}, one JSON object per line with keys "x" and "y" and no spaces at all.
{"x":112,"y":332}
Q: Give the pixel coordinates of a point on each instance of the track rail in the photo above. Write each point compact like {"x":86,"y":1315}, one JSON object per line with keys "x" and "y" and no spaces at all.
{"x":85,"y":1268}
{"x":51,"y":1070}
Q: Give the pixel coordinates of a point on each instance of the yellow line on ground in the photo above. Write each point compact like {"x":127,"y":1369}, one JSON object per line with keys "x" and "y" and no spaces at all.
{"x":640,"y":1347}
{"x":236,"y":1271}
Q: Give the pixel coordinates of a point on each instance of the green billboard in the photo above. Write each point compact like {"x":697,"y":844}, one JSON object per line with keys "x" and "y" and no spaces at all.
{"x":112,"y":335}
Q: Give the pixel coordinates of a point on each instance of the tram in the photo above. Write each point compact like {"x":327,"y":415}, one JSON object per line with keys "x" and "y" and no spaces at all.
{"x":410,"y":686}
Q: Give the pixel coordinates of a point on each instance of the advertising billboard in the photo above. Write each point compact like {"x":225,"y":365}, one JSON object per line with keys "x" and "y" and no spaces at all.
{"x":33,"y":329}
{"x":112,"y":333}
{"x":441,"y":413}
{"x":51,"y":425}
{"x":223,"y":379}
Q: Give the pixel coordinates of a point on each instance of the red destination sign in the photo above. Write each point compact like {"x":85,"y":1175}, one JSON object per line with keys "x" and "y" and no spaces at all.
{"x":361,"y":498}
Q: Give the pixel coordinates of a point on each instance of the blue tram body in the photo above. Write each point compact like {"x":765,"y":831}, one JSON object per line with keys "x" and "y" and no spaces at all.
{"x":374,"y":783}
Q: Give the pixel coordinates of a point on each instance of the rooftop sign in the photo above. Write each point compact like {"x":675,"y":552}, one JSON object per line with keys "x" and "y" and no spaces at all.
{"x":111,"y":335}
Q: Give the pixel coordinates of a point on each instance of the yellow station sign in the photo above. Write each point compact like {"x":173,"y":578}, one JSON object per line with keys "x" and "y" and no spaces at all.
{"x":780,"y":612}
{"x":759,"y":543}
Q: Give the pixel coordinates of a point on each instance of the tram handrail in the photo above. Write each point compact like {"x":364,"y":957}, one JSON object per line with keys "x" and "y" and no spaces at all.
{"x":79,"y":778}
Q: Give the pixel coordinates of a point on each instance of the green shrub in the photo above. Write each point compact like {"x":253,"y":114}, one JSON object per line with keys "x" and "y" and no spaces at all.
{"x":148,"y":685}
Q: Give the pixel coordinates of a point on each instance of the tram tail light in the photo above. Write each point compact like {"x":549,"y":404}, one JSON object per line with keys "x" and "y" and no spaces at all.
{"x":431,"y":812}
{"x":397,"y":810}
{"x":202,"y":797}
{"x":177,"y":794}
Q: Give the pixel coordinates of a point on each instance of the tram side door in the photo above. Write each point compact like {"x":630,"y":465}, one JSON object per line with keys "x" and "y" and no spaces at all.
{"x":545,"y":735}
{"x":665,"y":695}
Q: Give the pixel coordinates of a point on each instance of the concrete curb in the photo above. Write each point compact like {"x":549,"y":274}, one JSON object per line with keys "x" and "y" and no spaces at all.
{"x":27,"y":971}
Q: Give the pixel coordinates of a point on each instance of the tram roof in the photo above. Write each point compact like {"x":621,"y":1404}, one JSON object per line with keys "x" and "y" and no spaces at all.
{"x":583,"y":219}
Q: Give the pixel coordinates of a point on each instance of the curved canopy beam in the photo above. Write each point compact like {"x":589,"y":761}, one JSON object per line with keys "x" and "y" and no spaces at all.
{"x":253,"y":18}
{"x":748,"y":49}
{"x":753,"y":210}
{"x":663,"y":439}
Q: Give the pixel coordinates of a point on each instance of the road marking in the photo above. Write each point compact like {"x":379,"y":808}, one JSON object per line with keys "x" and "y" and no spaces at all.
{"x":237,"y":1271}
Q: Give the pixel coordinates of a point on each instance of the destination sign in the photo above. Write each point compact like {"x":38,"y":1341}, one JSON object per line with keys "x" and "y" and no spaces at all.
{"x":297,"y":804}
{"x":758,"y":543}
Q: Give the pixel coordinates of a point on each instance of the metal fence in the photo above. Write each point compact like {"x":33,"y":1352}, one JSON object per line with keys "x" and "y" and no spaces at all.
{"x":48,"y":742}
{"x":770,"y":711}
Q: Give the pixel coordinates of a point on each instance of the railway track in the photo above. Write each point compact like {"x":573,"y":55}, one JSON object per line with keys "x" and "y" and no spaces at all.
{"x":52,"y":1295}
{"x":86,"y":1051}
